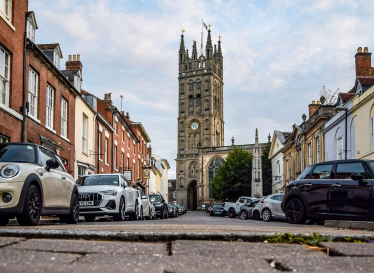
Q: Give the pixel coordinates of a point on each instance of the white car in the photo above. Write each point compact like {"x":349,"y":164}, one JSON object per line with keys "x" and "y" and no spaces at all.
{"x":271,"y":208}
{"x":232,"y":209}
{"x":145,"y":207}
{"x":107,"y":194}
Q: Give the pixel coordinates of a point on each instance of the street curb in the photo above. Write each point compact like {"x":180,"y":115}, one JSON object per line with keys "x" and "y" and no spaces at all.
{"x":359,"y":225}
{"x":152,"y":236}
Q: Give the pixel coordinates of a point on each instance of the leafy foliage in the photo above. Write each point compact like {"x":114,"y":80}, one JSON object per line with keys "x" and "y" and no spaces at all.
{"x":266,"y":170}
{"x":234,"y":176}
{"x":311,"y":240}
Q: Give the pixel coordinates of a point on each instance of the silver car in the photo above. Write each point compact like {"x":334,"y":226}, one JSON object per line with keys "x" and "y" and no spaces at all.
{"x":271,"y":208}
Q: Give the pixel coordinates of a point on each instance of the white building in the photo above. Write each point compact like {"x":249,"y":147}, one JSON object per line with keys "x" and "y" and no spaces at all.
{"x":276,"y":156}
{"x":159,"y":178}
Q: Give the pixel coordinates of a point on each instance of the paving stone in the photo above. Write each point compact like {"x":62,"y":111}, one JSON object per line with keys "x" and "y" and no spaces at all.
{"x":81,"y":246}
{"x":362,"y":225}
{"x":349,"y":249}
{"x":242,"y":250}
{"x":337,"y":224}
{"x":4,"y":241}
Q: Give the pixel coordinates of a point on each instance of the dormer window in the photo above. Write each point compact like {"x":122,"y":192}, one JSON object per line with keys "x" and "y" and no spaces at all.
{"x":56,"y":60}
{"x":30,"y":31}
{"x":6,"y":8}
{"x":77,"y":81}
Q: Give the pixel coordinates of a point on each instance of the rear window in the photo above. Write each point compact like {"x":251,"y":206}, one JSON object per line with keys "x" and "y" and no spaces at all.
{"x":344,"y":170}
{"x":217,"y":206}
{"x":98,"y":180}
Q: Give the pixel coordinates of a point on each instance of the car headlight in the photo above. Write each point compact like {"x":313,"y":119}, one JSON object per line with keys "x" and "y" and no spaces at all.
{"x":109,"y":192}
{"x":10,"y":171}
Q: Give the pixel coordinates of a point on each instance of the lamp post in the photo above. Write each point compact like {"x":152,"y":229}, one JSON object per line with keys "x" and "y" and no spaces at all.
{"x":344,"y":108}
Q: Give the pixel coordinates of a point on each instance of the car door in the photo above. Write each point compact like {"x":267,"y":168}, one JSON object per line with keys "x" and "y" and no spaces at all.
{"x":129,"y":196}
{"x":67,"y":182}
{"x":315,"y":188}
{"x":350,"y":198}
{"x":240,"y":203}
{"x":51,"y":181}
{"x":145,"y":203}
{"x":276,"y":204}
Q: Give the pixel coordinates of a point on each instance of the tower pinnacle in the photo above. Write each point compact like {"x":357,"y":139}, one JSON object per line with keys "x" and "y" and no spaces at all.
{"x":256,"y":141}
{"x":194,"y":50}
{"x":209,"y":46}
{"x":181,"y":47}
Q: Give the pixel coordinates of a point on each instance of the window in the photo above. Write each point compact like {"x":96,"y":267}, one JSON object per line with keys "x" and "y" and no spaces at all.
{"x":123,"y":135}
{"x":300,"y":160}
{"x":213,"y":170}
{"x":30,"y":30}
{"x":372,"y":132}
{"x":191,"y":86}
{"x":344,"y":171}
{"x":50,"y":103}
{"x":4,"y":75}
{"x":138,"y":168}
{"x":81,"y":171}
{"x":128,"y":141}
{"x":3,"y":139}
{"x":84,"y":133}
{"x":339,"y":148}
{"x":199,"y":86}
{"x":288,"y":169}
{"x":305,"y":174}
{"x":133,"y":147}
{"x":122,"y":160}
{"x":64,"y":118}
{"x":310,"y":153}
{"x":115,"y":127}
{"x":106,"y":150}
{"x":322,"y":172}
{"x":99,"y":145}
{"x":56,"y":62}
{"x":115,"y":157}
{"x":198,"y":101}
{"x":318,"y":151}
{"x":191,"y":101}
{"x":6,"y":8}
{"x":33,"y":93}
{"x":128,"y":164}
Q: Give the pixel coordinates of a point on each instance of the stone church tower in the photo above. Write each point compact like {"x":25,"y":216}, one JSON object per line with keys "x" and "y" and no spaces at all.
{"x":200,"y":118}
{"x":257,"y":185}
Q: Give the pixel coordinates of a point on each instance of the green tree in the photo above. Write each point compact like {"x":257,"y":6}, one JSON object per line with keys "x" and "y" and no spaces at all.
{"x":234,"y":176}
{"x":266,"y":170}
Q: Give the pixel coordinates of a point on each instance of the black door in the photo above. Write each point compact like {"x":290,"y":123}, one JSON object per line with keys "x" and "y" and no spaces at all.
{"x":315,"y":189}
{"x":349,"y":198}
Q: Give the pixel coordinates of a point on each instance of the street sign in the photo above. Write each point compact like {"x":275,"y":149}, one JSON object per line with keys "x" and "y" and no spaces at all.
{"x":127,"y":175}
{"x":146,"y":173}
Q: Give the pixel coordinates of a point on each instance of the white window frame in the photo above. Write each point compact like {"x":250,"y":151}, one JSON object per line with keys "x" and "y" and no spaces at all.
{"x":106,"y":150}
{"x":288,"y":170}
{"x":6,"y":8}
{"x":128,"y":141}
{"x":99,"y":146}
{"x":318,"y":150}
{"x":339,"y":148}
{"x":33,"y":93}
{"x":3,"y":138}
{"x":30,"y":30}
{"x":115,"y":157}
{"x":123,"y":135}
{"x":4,"y":76}
{"x":84,"y":133}
{"x":56,"y":59}
{"x":50,"y":98}
{"x":64,"y":118}
{"x":372,"y":132}
{"x":310,"y":154}
{"x":122,"y":160}
{"x":133,"y":142}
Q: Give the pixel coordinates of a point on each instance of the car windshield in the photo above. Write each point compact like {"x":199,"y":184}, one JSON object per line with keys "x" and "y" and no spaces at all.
{"x":97,"y":180}
{"x":306,"y":172}
{"x":17,"y":153}
{"x":217,"y":206}
{"x":155,"y":198}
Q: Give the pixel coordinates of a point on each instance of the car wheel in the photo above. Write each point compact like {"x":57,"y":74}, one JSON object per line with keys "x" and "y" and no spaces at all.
{"x":31,"y":208}
{"x":266,"y":215}
{"x":166,"y":215}
{"x":244,"y":215}
{"x":89,"y":218}
{"x":320,"y":222}
{"x":120,"y":216}
{"x":211,"y":214}
{"x":256,"y":215}
{"x":162,"y":216}
{"x":4,"y":220}
{"x":141,"y":216}
{"x":295,"y":211}
{"x":232,"y":213}
{"x":309,"y":222}
{"x":149,"y":217}
{"x":73,"y":216}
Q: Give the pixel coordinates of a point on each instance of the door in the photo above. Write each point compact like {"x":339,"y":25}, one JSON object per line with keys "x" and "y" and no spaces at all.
{"x":349,"y":198}
{"x":129,"y":197}
{"x":315,"y":188}
{"x":145,"y":203}
{"x":51,"y":181}
{"x":276,"y":206}
{"x":67,"y":183}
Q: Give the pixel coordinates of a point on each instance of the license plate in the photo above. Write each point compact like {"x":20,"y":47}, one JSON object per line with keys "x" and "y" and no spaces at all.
{"x":217,"y":212}
{"x":85,"y":203}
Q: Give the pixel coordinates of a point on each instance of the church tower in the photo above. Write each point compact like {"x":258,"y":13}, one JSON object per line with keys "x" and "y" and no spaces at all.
{"x":256,"y":185}
{"x":200,"y":116}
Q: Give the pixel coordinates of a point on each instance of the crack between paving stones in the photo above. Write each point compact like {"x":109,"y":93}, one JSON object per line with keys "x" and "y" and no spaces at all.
{"x":78,"y":258}
{"x":13,"y":243}
{"x":278,"y":265}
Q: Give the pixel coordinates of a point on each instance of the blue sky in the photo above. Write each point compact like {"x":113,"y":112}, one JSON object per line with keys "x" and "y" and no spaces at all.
{"x":277,"y":56}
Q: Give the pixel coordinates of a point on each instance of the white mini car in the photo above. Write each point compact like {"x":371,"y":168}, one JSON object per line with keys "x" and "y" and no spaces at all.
{"x":107,"y":194}
{"x":34,"y":182}
{"x":146,"y":208}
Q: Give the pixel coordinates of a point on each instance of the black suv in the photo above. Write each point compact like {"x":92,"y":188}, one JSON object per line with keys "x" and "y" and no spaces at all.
{"x":340,"y":189}
{"x":161,"y":207}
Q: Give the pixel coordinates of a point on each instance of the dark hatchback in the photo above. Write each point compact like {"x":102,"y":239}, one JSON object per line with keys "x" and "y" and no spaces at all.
{"x":161,"y":207}
{"x":336,"y":190}
{"x":218,"y":210}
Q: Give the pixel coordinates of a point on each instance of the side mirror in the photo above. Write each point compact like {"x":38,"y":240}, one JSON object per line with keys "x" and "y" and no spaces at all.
{"x":357,"y":176}
{"x":145,"y":197}
{"x":52,"y":164}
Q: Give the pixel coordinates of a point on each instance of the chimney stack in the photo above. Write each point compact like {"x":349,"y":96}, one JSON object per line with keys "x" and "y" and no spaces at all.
{"x":363,"y":63}
{"x":313,"y":108}
{"x":108,"y":98}
{"x":127,"y":117}
{"x":74,"y":63}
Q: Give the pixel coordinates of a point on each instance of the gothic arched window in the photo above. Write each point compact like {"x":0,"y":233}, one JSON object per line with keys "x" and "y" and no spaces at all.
{"x":198,"y":86}
{"x":213,"y":170}
{"x":191,"y":101}
{"x":198,"y":100}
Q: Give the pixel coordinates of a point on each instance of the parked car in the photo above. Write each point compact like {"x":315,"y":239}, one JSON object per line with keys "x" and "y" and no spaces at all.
{"x":172,"y":211}
{"x":34,"y":182}
{"x":184,"y":209}
{"x":232,"y":209}
{"x":218,"y":210}
{"x":257,"y":209}
{"x":143,"y":205}
{"x":160,"y":205}
{"x":107,"y":194}
{"x":246,"y":211}
{"x":179,"y":209}
{"x":271,"y":208}
{"x":336,"y":190}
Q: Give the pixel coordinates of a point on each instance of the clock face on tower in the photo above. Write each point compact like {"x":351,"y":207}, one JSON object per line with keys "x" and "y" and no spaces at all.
{"x":194,"y":126}
{"x":218,"y":128}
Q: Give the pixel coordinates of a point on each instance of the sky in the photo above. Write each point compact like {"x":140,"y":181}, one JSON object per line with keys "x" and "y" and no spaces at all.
{"x":277,"y":55}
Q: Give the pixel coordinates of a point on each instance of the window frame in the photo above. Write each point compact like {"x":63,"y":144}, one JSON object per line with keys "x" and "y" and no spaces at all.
{"x":318,"y":150}
{"x":106,"y":150}
{"x":115,"y":157}
{"x":99,"y":145}
{"x":34,"y":93}
{"x":64,"y":117}
{"x":310,"y":161}
{"x":56,"y":61}
{"x":84,"y":134}
{"x":340,"y":139}
{"x":30,"y":29}
{"x":7,"y":9}
{"x":372,"y":132}
{"x":5,"y":76}
{"x":50,"y":98}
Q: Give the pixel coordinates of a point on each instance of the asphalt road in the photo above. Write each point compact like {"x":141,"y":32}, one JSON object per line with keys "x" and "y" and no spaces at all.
{"x":195,"y":221}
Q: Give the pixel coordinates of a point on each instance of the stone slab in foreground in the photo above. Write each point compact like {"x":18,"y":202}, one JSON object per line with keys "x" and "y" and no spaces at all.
{"x":359,"y":225}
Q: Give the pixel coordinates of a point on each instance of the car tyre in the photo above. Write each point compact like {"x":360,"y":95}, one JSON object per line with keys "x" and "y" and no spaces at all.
{"x":4,"y":220}
{"x":121,"y":215}
{"x":244,"y":215}
{"x":295,"y":211}
{"x":141,"y":216}
{"x":166,"y":215}
{"x":134,"y":216}
{"x":256,"y":215}
{"x":266,"y":215}
{"x":232,"y":213}
{"x":162,"y":216}
{"x":89,"y":218}
{"x":149,"y":217}
{"x":73,"y":216}
{"x":31,"y":208}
